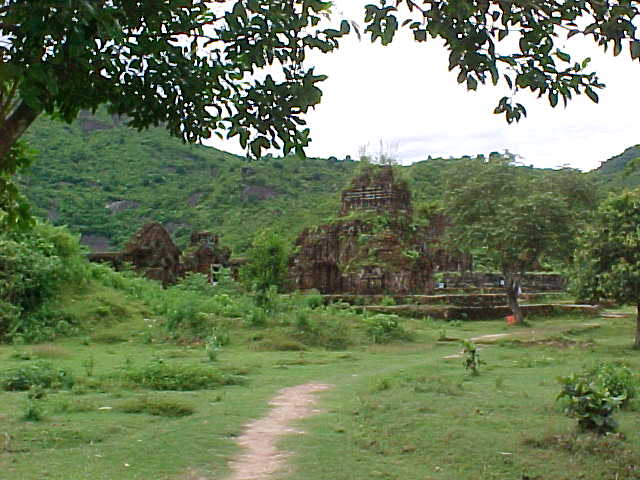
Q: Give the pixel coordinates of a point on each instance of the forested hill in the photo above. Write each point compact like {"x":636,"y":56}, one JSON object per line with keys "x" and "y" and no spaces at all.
{"x":612,"y":174}
{"x":105,"y":180}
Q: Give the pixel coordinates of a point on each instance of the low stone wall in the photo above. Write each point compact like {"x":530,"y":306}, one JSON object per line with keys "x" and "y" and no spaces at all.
{"x":530,"y":282}
{"x":481,"y":313}
{"x":449,"y":299}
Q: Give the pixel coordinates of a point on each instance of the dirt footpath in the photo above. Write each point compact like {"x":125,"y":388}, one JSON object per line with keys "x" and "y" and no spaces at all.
{"x":261,"y":457}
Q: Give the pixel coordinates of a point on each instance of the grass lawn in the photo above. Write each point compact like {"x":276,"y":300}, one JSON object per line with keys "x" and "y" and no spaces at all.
{"x":398,"y":411}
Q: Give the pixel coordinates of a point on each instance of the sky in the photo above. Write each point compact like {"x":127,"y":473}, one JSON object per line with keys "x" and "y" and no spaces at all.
{"x":403,"y":96}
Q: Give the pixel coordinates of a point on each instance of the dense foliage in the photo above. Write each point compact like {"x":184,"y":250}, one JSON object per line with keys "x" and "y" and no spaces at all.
{"x":267,"y":263}
{"x":88,"y":168}
{"x":515,"y":218}
{"x":34,"y":267}
{"x":593,"y":395}
{"x":98,"y":161}
{"x":607,"y":263}
{"x":188,"y":65}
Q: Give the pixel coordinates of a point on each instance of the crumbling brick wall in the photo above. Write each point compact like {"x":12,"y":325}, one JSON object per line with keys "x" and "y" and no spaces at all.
{"x":380,"y":252}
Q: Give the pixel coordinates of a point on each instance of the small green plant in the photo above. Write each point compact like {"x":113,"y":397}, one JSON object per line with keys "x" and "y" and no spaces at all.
{"x":213,"y":345}
{"x":385,"y":328}
{"x":590,"y":403}
{"x":313,"y":300}
{"x":617,"y":379}
{"x":34,"y":409}
{"x":257,"y":317}
{"x":593,"y":395}
{"x":471,"y":354}
{"x":88,"y":364}
{"x":387,"y":301}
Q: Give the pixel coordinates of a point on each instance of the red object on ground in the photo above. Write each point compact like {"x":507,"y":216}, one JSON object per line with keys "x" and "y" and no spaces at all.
{"x":511,"y":319}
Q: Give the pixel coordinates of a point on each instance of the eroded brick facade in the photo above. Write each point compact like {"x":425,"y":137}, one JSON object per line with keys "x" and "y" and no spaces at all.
{"x":374,"y":248}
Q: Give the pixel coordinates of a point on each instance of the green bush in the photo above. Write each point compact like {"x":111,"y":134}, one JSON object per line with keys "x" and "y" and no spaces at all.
{"x":385,"y":328}
{"x":330,"y":332}
{"x":39,"y":374}
{"x":158,"y":375}
{"x":617,"y":379}
{"x":266,"y":267}
{"x":34,"y":266}
{"x":593,"y":395}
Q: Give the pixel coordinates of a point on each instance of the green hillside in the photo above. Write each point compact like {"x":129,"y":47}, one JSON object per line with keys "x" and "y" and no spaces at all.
{"x":106,"y":180}
{"x":612,"y":174}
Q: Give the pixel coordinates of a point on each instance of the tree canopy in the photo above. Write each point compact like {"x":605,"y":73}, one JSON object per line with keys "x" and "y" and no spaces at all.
{"x":607,"y":262}
{"x":519,"y":42}
{"x":514,"y":217}
{"x":188,"y":64}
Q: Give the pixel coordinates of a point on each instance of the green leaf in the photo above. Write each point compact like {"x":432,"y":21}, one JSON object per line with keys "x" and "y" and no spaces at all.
{"x":591,"y":94}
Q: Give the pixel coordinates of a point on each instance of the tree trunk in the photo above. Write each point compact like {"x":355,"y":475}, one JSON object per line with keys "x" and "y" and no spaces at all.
{"x":512,"y":287}
{"x":637,"y":342}
{"x":12,"y":128}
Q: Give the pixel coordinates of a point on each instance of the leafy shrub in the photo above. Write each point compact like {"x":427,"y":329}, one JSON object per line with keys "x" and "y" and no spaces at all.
{"x":256,"y":318}
{"x":39,"y":374}
{"x":387,"y":301}
{"x":34,"y":409}
{"x":617,"y":379}
{"x":330,"y":332}
{"x":34,"y":266}
{"x":161,"y":407}
{"x":593,"y":395}
{"x":266,"y":267}
{"x":385,"y":328}
{"x":214,"y":343}
{"x":313,"y":300}
{"x":471,"y":357}
{"x":158,"y":375}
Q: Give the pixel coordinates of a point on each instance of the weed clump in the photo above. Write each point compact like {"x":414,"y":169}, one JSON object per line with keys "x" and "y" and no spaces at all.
{"x":160,"y":407}
{"x":158,"y":375}
{"x":385,"y":328}
{"x":39,"y":374}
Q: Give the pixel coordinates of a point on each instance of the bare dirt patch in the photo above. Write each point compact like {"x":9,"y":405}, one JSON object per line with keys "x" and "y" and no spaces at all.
{"x":261,"y":457}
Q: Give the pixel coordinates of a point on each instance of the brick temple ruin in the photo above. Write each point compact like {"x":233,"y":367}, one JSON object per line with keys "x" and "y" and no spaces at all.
{"x":374,"y":248}
{"x":153,"y":254}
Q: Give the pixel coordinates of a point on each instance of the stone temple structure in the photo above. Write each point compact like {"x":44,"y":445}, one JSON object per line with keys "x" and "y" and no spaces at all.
{"x":153,"y":254}
{"x":205,"y":255}
{"x":374,"y":248}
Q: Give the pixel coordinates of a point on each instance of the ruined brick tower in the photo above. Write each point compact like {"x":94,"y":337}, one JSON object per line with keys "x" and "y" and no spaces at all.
{"x":377,"y":190}
{"x":373,"y":249}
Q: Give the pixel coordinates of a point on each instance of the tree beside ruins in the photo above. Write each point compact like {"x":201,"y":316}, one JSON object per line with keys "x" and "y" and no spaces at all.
{"x":607,"y":262}
{"x":515,"y":218}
